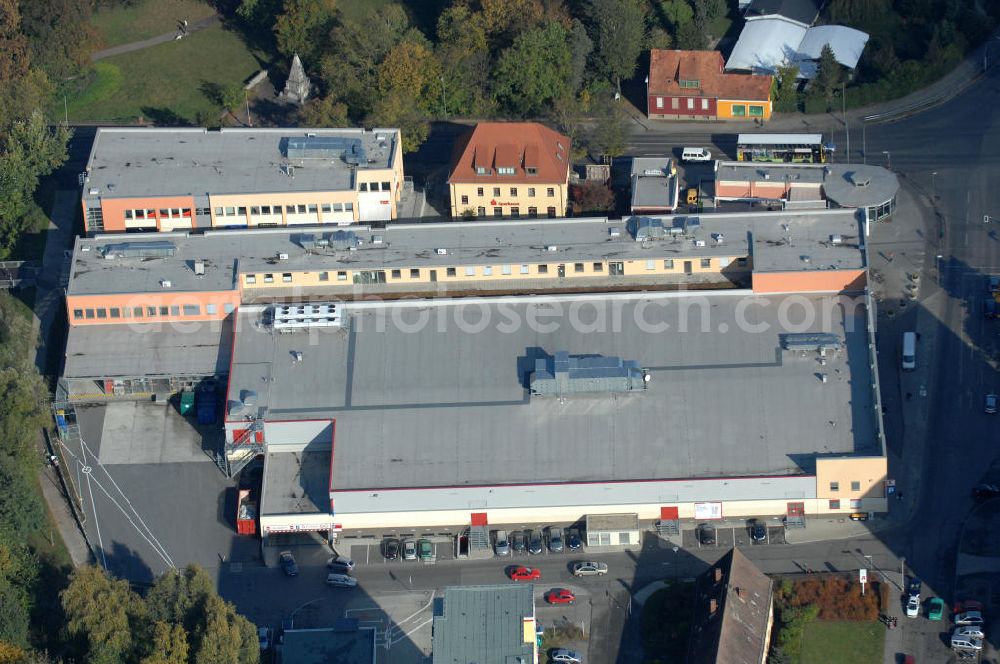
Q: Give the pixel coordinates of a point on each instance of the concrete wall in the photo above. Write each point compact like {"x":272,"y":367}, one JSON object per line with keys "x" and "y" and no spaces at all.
{"x":815,"y":281}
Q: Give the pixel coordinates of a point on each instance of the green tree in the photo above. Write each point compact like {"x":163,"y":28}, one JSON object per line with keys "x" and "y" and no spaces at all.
{"x":785,"y":89}
{"x":660,"y":38}
{"x":691,"y":37}
{"x":397,"y":109}
{"x":225,"y":637}
{"x":621,"y":36}
{"x":829,"y":75}
{"x":232,"y":97}
{"x":610,"y":133}
{"x":462,"y":51}
{"x":580,"y":47}
{"x":325,"y":112}
{"x":105,"y":614}
{"x":707,"y":11}
{"x":169,"y":645}
{"x":534,"y":70}
{"x":60,"y":35}
{"x":412,"y":69}
{"x":303,"y":25}
{"x":677,"y":13}
{"x":180,"y":597}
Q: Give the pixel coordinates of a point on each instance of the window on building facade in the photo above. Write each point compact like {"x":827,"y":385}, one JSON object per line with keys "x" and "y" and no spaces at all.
{"x":834,"y":486}
{"x":690,"y":104}
{"x":706,"y":262}
{"x":192,"y":310}
{"x":128,"y":214}
{"x":531,"y":170}
{"x":465,"y":200}
{"x":115,"y":312}
{"x":362,"y":186}
{"x":251,"y":279}
{"x":505,"y":269}
{"x":543,"y":269}
{"x":659,"y":102}
{"x":150,"y":311}
{"x":175,"y":310}
{"x":78,"y":313}
{"x":136,"y":312}
{"x":480,"y":170}
{"x":164,"y":311}
{"x":739,"y":110}
{"x":312,"y":209}
{"x":704,"y":104}
{"x":324,"y":276}
{"x":855,"y":486}
{"x":532,"y":212}
{"x":348,"y":207}
{"x":211,"y":309}
{"x":470,"y":270}
{"x":756,"y":111}
{"x":578,"y":267}
{"x":855,"y":503}
{"x":386,"y":186}
{"x":254,"y":209}
{"x":651,"y":264}
{"x":341,"y":275}
{"x":268,"y":278}
{"x":102,"y":313}
{"x":689,"y":83}
{"x":286,"y":277}
{"x":550,"y":192}
{"x":496,"y":191}
{"x":396,"y":274}
{"x":531,"y":192}
{"x":228,"y":308}
{"x":479,"y":191}
{"x":302,"y":209}
{"x":551,"y":212}
{"x":668,"y":263}
{"x":487,"y":270}
{"x":481,"y":212}
{"x":835,"y":504}
{"x":451,"y":272}
{"x":513,"y":191}
{"x":674,"y":103}
{"x":515,"y":212}
{"x":327,"y":208}
{"x":414,"y":273}
{"x":497,"y":212}
{"x":242,"y":211}
{"x":598,"y":267}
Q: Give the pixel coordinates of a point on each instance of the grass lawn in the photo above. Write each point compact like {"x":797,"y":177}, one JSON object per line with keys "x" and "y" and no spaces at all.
{"x":843,"y":642}
{"x":146,"y":19}
{"x":665,"y":623}
{"x":165,"y":84}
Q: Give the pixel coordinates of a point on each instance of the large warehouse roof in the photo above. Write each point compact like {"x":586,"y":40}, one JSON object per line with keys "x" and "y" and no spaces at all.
{"x":138,"y":162}
{"x":433,"y":393}
{"x":225,"y":253}
{"x":767,"y":42}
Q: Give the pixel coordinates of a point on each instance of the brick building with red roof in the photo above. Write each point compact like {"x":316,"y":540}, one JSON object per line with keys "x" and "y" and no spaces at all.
{"x":692,"y":85}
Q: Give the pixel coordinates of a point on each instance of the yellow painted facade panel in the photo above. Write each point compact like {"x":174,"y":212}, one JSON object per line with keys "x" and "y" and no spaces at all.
{"x":743,"y":110}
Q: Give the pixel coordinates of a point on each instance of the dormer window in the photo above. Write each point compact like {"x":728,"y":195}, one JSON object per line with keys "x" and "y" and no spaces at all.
{"x":505,"y":170}
{"x":482,"y":170}
{"x":689,"y":83}
{"x":531,"y":170}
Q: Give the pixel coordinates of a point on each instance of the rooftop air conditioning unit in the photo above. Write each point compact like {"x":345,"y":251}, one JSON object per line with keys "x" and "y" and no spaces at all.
{"x":615,"y":232}
{"x":376,"y":239}
{"x":165,"y":283}
{"x":699,"y":243}
{"x":836,"y":239}
{"x":282,"y":257}
{"x":441,"y":252}
{"x":199,"y":268}
{"x":719,"y":238}
{"x":94,"y":192}
{"x":552,"y":247}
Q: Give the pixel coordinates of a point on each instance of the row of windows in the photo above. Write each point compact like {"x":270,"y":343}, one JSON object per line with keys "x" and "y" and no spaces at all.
{"x":855,"y":504}
{"x":739,"y":110}
{"x":550,"y":192}
{"x":241,"y":211}
{"x":102,"y":313}
{"x":364,"y":186}
{"x":835,"y":486}
{"x":485,"y":271}
{"x":514,"y":211}
{"x":505,"y":170}
{"x":675,"y":103}
{"x":164,"y":213}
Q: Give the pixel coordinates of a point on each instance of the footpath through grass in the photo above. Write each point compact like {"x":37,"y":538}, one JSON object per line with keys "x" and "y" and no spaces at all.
{"x":843,"y":642}
{"x":167,"y":84}
{"x":145,"y":19}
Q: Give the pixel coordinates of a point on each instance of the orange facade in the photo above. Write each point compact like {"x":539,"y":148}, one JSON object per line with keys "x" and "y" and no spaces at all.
{"x":143,"y":308}
{"x":162,"y":219}
{"x":817,"y":281}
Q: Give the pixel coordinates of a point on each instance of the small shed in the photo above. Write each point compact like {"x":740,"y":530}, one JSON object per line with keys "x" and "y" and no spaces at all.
{"x":613,"y":530}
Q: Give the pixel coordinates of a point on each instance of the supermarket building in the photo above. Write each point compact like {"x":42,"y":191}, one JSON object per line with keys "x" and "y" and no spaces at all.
{"x":148,"y":180}
{"x":375,"y":414}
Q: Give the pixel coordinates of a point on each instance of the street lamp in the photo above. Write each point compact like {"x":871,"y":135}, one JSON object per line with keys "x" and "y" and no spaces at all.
{"x":647,"y":96}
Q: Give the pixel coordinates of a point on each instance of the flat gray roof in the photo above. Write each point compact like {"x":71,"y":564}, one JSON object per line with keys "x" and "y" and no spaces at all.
{"x":484,"y":625}
{"x":296,"y":483}
{"x":847,"y":185}
{"x":141,"y":162}
{"x":433,"y":393}
{"x":471,"y":243}
{"x":148,"y":350}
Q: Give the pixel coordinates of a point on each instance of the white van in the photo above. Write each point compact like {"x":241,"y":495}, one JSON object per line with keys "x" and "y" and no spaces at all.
{"x":909,"y":354}
{"x":696,"y":154}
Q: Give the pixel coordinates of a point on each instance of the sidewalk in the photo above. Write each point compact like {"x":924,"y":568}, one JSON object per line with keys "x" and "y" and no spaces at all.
{"x":209,"y":22}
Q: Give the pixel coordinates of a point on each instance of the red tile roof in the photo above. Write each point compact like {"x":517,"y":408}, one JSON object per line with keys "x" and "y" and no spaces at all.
{"x":668,"y":68}
{"x":516,"y":145}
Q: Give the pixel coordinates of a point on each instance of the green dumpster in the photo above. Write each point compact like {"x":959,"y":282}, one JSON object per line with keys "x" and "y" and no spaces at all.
{"x":187,"y":402}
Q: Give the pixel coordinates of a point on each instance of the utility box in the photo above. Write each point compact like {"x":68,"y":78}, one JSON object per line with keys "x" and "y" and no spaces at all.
{"x":187,"y":402}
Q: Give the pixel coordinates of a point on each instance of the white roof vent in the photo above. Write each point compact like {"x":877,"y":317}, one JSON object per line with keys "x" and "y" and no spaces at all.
{"x":165,"y":283}
{"x":377,"y":239}
{"x":552,"y":247}
{"x":719,"y":238}
{"x":199,"y":268}
{"x":94,"y":191}
{"x":699,"y":243}
{"x":615,"y":232}
{"x":282,"y":257}
{"x":85,"y":247}
{"x":836,"y":239}
{"x":441,"y":252}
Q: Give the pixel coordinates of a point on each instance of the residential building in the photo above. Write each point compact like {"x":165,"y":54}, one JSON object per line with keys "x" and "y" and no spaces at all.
{"x":510,"y":170}
{"x":486,"y":625}
{"x":692,"y":85}
{"x":142,"y":179}
{"x":733,"y":613}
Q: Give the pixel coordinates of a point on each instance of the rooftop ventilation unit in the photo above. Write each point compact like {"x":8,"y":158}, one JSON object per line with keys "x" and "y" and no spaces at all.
{"x":344,"y":240}
{"x":199,"y":268}
{"x":699,"y":243}
{"x":441,"y":252}
{"x":647,"y":228}
{"x":157,"y":249}
{"x":377,"y":239}
{"x":307,"y":241}
{"x":552,"y":247}
{"x":810,"y":341}
{"x":291,"y":317}
{"x":165,"y":283}
{"x":614,"y":232}
{"x":580,"y":374}
{"x":351,"y":150}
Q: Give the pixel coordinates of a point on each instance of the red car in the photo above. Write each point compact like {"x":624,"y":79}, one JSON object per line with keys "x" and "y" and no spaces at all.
{"x":525,"y":574}
{"x":560,"y":596}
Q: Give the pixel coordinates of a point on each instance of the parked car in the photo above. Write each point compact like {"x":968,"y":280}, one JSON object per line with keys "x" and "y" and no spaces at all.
{"x":706,"y":534}
{"x":264,"y":636}
{"x":519,"y":541}
{"x":565,"y":655}
{"x":502,"y":543}
{"x":390,"y":548}
{"x":341,"y":581}
{"x":573,"y":541}
{"x":340,"y":563}
{"x":914,"y":587}
{"x":560,"y":596}
{"x":913,"y":606}
{"x":990,"y":404}
{"x":590,"y":568}
{"x":968,"y":605}
{"x":966,"y":643}
{"x":756,"y":530}
{"x":970,"y":631}
{"x":409,"y":549}
{"x":985,"y":491}
{"x":288,"y":565}
{"x":425,"y":550}
{"x":935,"y":608}
{"x":555,"y":540}
{"x":522,"y":573}
{"x":969,"y":618}
{"x":534,"y":542}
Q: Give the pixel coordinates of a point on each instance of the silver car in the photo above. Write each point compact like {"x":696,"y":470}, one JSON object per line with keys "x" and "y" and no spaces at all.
{"x":555,"y":540}
{"x":409,"y":549}
{"x":565,"y":655}
{"x":590,"y":568}
{"x":970,"y":632}
{"x":341,"y":581}
{"x":502,"y":545}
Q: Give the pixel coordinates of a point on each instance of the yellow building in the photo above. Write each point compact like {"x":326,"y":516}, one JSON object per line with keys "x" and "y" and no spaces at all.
{"x":510,"y":169}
